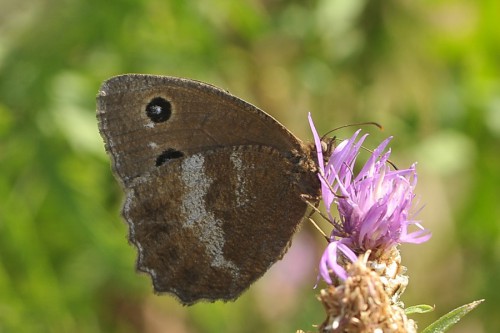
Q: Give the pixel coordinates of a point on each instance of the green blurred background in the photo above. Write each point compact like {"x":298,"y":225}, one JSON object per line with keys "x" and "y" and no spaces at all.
{"x":429,"y":71}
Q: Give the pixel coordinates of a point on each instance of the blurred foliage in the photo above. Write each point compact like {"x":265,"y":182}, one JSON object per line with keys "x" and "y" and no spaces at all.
{"x":428,"y":71}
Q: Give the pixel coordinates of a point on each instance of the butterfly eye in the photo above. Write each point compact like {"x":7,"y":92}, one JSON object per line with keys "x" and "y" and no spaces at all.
{"x":324,"y":146}
{"x":167,"y":155}
{"x":159,"y":109}
{"x":328,"y":146}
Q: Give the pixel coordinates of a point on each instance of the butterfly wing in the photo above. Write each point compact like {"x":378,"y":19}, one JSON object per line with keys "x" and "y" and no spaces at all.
{"x":210,"y":224}
{"x":212,"y":183}
{"x":145,"y":119}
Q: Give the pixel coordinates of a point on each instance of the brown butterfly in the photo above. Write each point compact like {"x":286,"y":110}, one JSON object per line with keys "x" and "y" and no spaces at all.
{"x":214,"y":186}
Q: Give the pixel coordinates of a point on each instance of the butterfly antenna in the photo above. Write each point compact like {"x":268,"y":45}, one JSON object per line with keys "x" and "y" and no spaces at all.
{"x":355,"y":124}
{"x":388,"y":161}
{"x":360,"y":124}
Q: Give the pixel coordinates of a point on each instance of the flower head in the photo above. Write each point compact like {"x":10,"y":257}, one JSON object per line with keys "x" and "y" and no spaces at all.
{"x":373,"y":205}
{"x":360,"y":303}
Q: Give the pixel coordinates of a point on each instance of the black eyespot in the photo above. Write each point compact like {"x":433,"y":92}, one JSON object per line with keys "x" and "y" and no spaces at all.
{"x":159,"y":110}
{"x":167,"y":155}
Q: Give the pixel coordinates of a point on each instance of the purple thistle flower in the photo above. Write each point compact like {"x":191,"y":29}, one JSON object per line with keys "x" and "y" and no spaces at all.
{"x":373,"y":205}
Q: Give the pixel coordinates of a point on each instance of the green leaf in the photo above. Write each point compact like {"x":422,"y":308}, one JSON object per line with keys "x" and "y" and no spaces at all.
{"x":421,"y":308}
{"x":451,"y":318}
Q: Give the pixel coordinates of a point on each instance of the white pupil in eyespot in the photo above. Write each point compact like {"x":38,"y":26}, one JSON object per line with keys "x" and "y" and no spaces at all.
{"x":156,"y":109}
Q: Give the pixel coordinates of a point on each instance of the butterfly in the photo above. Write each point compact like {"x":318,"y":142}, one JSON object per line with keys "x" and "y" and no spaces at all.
{"x":214,"y":187}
